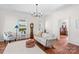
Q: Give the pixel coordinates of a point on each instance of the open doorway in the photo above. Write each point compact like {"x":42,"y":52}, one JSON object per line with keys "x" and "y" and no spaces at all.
{"x":64,"y":27}
{"x":63,"y":31}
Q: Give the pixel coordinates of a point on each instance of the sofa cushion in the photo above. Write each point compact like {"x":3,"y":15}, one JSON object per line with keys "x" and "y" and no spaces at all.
{"x":45,"y":35}
{"x":40,"y":34}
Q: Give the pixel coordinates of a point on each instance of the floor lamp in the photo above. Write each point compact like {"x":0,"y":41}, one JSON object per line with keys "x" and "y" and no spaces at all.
{"x":16,"y":31}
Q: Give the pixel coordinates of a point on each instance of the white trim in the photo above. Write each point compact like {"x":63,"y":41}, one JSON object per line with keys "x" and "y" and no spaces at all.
{"x":76,"y":43}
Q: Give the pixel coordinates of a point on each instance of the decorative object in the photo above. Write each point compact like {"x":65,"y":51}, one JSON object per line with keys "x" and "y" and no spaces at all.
{"x":31,"y":41}
{"x":37,"y":13}
{"x":31,"y":30}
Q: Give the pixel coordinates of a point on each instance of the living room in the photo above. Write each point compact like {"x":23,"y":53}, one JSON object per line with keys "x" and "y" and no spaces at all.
{"x":54,"y":30}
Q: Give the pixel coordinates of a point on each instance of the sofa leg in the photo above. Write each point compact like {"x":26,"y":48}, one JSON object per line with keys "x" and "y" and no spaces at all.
{"x":9,"y":41}
{"x":4,"y":41}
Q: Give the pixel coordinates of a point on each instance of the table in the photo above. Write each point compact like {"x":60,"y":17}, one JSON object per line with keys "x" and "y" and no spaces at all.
{"x":19,"y":47}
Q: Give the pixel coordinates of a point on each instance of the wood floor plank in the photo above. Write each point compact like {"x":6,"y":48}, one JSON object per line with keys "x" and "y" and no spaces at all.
{"x":69,"y":49}
{"x":2,"y":47}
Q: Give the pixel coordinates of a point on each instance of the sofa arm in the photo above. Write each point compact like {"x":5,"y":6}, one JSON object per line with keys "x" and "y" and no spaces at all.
{"x":49,"y":43}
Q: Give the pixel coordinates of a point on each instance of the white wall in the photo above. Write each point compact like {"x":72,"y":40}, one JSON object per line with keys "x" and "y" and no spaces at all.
{"x":8,"y":20}
{"x":68,"y":13}
{"x":1,"y":23}
{"x":52,"y":26}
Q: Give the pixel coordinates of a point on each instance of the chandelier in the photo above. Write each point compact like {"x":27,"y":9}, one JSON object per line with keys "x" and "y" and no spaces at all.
{"x":37,"y":13}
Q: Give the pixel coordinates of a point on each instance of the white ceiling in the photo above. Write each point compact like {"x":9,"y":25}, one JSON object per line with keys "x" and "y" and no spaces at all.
{"x":30,"y":8}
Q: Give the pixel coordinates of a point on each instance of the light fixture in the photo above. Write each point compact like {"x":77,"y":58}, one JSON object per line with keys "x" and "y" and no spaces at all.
{"x":37,"y":13}
{"x":16,"y":31}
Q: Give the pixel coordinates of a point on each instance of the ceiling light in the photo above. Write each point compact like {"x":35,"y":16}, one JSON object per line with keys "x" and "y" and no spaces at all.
{"x":37,"y":13}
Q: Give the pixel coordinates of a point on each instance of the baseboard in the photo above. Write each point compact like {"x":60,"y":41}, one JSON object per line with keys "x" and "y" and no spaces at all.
{"x":76,"y":43}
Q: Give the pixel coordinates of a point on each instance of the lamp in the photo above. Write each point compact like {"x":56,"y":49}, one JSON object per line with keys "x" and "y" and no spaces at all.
{"x":16,"y":31}
{"x":16,"y":26}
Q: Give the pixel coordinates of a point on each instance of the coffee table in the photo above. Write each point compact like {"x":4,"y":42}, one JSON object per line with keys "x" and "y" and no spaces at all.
{"x":19,"y":47}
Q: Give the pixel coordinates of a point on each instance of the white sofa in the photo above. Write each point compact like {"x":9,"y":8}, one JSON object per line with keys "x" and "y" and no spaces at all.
{"x":46,"y":39}
{"x":1,"y":38}
{"x":9,"y":36}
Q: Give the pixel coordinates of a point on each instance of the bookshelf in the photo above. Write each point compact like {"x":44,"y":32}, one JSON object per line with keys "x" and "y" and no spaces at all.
{"x":22,"y":24}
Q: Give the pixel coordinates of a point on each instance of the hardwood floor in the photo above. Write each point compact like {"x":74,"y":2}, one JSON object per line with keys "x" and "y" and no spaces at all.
{"x":68,"y":49}
{"x":61,"y":47}
{"x":2,"y":47}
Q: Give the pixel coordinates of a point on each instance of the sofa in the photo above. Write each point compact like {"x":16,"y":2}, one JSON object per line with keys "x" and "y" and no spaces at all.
{"x":1,"y":38}
{"x":9,"y":36}
{"x":46,"y":39}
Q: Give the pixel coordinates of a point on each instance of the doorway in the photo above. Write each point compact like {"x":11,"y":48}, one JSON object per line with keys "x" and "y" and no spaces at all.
{"x":63,"y":31}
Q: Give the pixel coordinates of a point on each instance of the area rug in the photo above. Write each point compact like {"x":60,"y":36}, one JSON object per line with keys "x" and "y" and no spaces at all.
{"x":69,"y":49}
